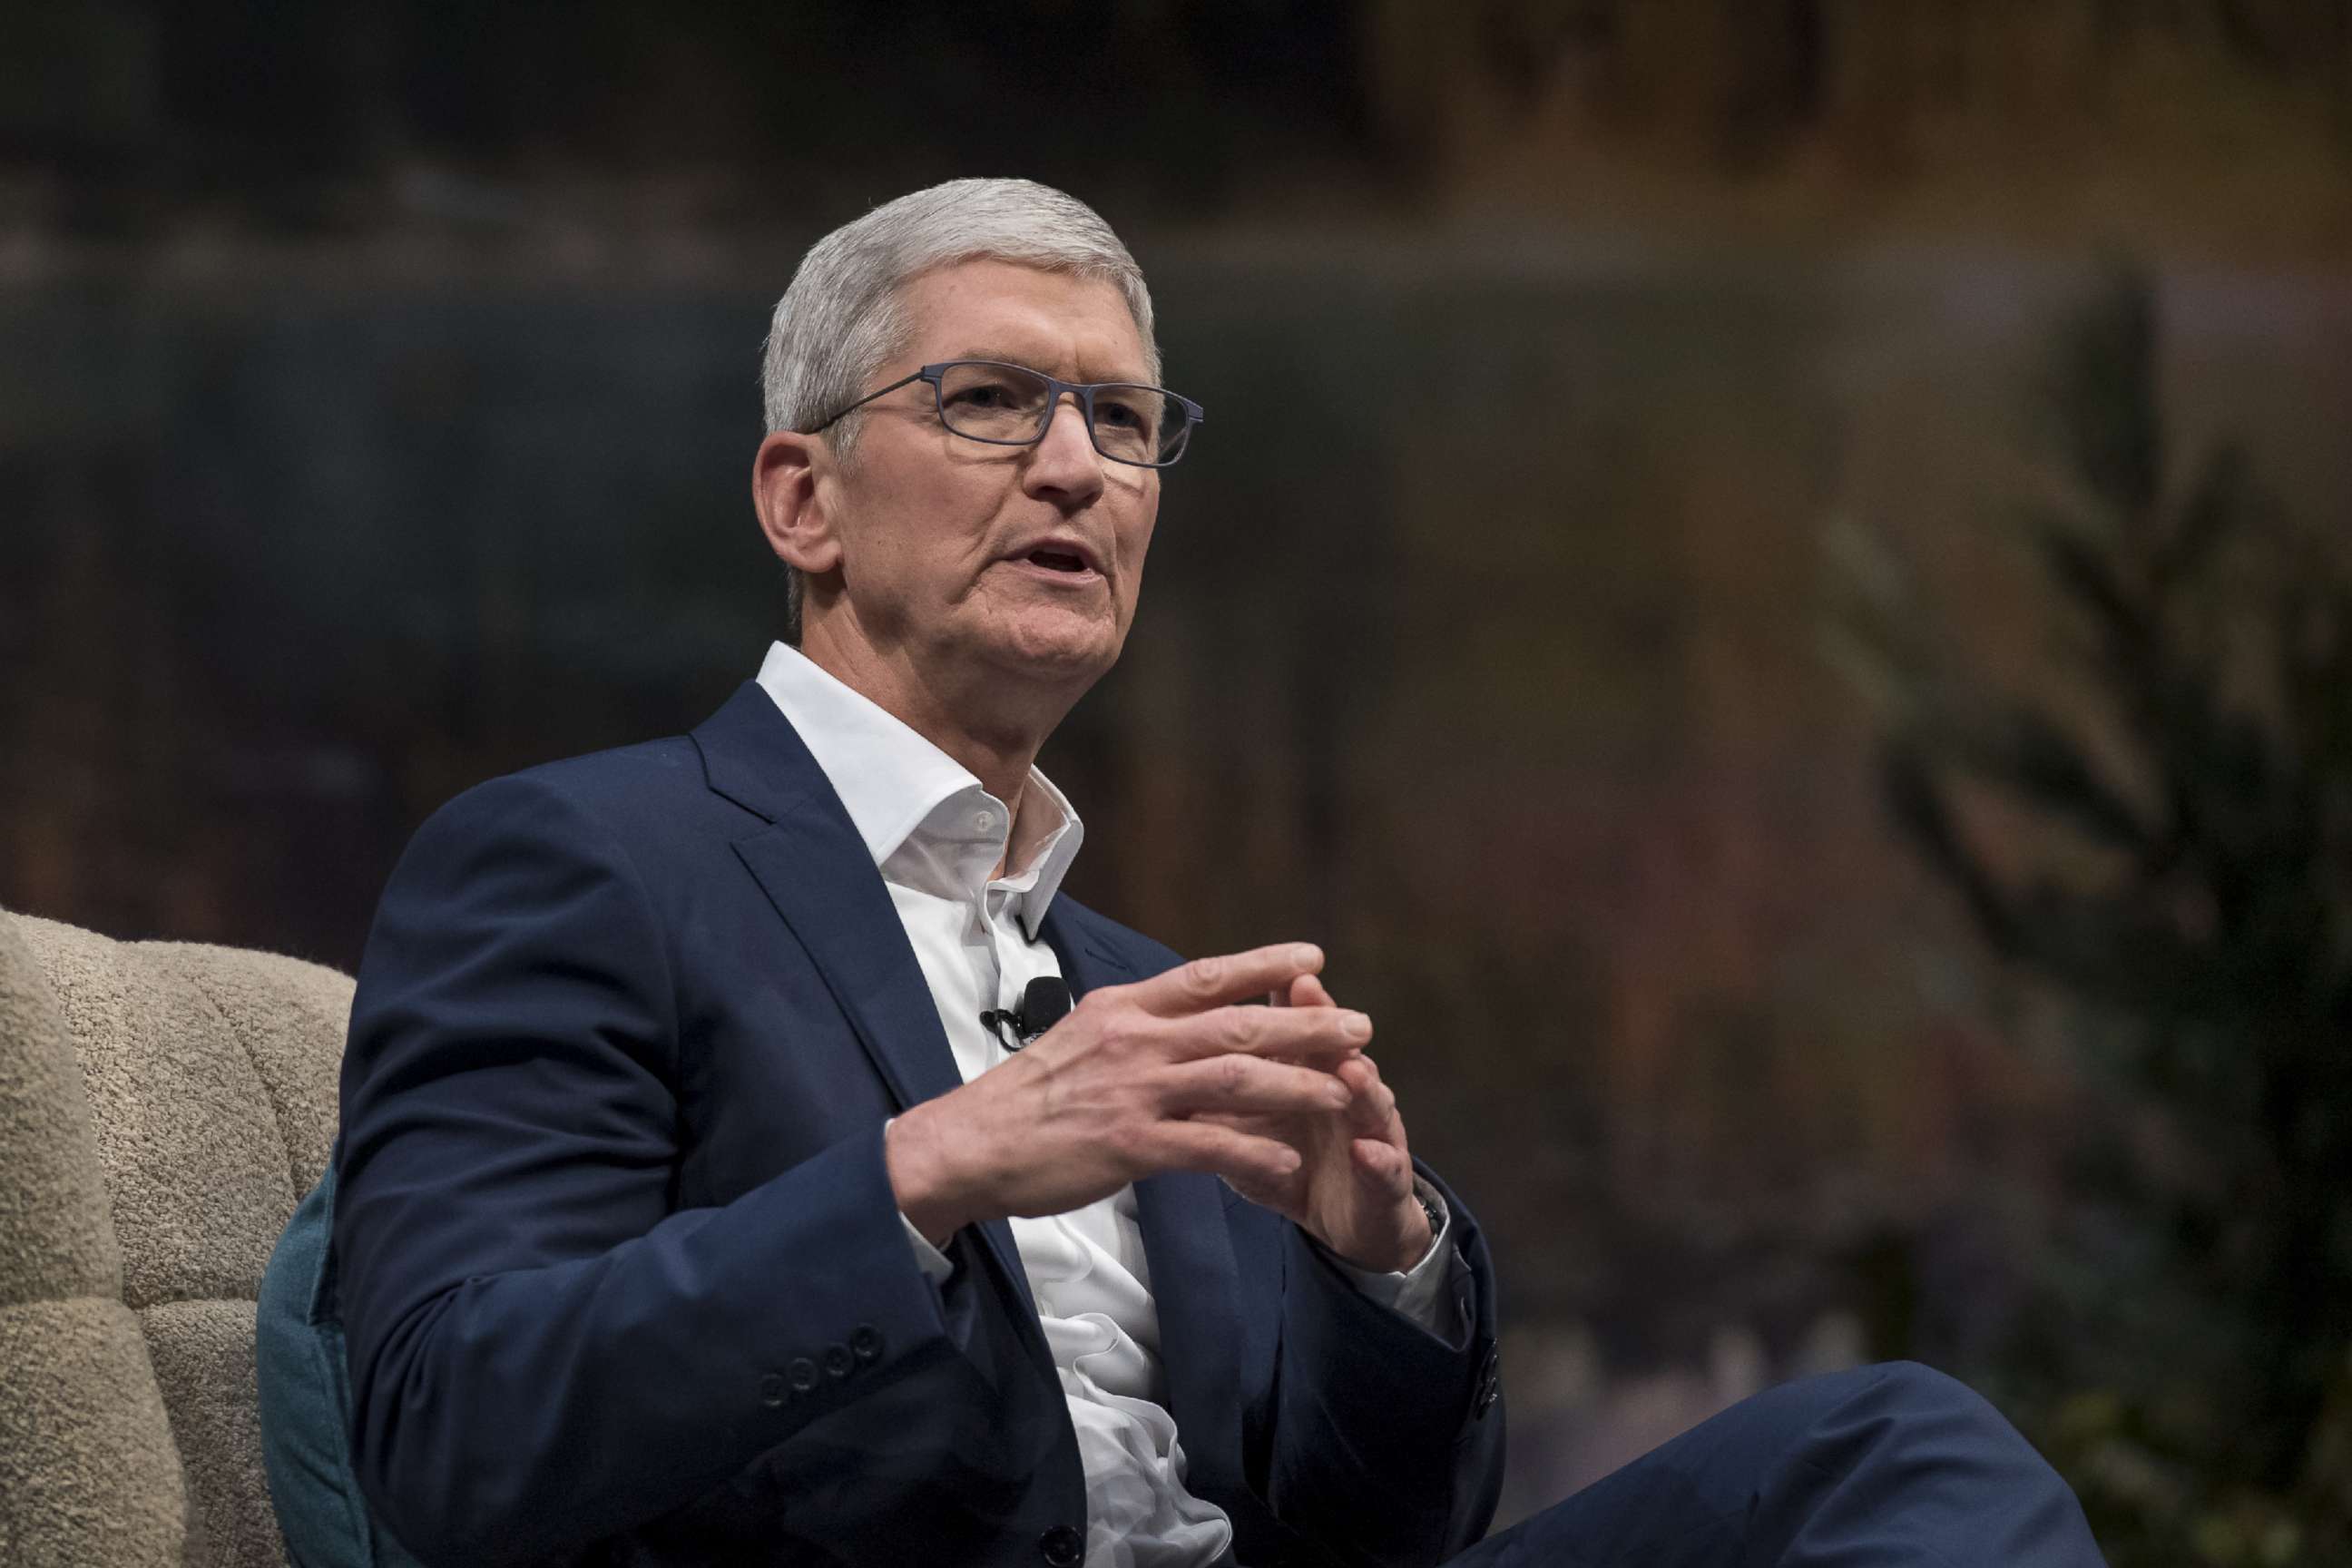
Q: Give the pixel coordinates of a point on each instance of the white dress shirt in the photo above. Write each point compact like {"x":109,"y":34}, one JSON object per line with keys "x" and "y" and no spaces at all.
{"x":936,"y":835}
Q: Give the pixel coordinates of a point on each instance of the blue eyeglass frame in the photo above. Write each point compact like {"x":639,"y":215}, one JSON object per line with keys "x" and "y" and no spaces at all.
{"x":1054,"y":386}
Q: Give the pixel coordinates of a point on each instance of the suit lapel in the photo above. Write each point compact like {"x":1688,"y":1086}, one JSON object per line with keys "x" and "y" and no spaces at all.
{"x":816,"y":873}
{"x":1195,"y":1283}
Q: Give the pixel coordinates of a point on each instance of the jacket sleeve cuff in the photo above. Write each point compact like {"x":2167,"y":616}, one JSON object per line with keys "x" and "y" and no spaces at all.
{"x":937,"y":1266}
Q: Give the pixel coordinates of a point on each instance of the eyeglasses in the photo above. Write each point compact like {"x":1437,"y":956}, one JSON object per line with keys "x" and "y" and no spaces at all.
{"x":1013,"y":405}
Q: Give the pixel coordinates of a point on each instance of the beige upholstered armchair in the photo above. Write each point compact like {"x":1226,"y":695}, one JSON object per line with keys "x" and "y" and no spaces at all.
{"x":163,"y":1108}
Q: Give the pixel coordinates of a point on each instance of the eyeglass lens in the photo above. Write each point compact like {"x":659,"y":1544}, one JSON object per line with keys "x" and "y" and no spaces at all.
{"x":1007,"y":403}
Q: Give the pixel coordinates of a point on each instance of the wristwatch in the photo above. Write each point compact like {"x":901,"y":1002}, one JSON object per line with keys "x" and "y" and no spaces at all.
{"x":1432,"y":1208}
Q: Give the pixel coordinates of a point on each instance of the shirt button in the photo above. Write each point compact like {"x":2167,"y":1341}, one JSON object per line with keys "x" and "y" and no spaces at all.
{"x":984,"y":821}
{"x":1060,"y":1547}
{"x":838,"y":1362}
{"x":866,"y":1343}
{"x":772,"y":1390}
{"x":802,"y":1373}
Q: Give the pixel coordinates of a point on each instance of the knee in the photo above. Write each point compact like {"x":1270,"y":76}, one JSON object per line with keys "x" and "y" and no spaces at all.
{"x":1906,"y":1400}
{"x":1910,"y":1386}
{"x":1904,"y":1389}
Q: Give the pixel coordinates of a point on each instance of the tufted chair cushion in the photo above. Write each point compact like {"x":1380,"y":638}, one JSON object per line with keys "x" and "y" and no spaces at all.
{"x":163,"y":1106}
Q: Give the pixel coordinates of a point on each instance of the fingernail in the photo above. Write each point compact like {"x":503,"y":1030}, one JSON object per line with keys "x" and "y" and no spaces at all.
{"x":1356,"y":1027}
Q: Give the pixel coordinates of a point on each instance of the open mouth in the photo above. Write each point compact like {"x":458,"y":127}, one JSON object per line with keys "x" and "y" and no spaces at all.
{"x":1057,"y":561}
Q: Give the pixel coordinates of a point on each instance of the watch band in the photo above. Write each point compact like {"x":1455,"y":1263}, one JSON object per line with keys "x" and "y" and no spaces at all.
{"x":1433,"y":1209}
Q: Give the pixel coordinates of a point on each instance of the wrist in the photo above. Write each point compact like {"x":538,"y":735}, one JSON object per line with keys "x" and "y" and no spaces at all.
{"x":1420,"y":1236}
{"x":1414,"y":1234}
{"x":1419,"y":1227}
{"x":922,"y":1179}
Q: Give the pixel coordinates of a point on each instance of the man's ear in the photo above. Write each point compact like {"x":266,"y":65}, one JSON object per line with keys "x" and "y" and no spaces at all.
{"x":785,"y":493}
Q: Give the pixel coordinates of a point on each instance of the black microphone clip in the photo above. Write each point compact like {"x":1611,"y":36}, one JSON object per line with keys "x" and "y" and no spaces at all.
{"x":1045,"y":1001}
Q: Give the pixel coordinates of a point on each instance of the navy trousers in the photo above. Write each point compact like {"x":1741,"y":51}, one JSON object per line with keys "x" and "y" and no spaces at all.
{"x":1886,"y":1466}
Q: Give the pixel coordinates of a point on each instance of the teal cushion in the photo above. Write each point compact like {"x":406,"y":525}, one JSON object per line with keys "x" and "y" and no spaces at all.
{"x":306,"y":1401}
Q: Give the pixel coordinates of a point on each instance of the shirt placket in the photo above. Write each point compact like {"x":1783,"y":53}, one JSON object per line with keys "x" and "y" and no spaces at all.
{"x":988,"y":901}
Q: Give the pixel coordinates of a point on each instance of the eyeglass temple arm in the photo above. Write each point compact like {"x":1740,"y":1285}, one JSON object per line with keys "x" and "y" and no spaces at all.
{"x":838,"y":414}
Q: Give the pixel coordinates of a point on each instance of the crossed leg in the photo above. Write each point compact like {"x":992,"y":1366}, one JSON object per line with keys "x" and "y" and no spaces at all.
{"x":1889,"y":1466}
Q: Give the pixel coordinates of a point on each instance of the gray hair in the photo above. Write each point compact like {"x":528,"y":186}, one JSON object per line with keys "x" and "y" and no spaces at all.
{"x":843,"y":317}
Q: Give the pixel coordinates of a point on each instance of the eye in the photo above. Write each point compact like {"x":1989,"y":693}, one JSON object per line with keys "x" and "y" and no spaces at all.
{"x":1121,"y":414}
{"x":984,"y":394}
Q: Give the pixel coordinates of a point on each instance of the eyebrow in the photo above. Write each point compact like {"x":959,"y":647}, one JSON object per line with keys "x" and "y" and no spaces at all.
{"x":1133,"y":378}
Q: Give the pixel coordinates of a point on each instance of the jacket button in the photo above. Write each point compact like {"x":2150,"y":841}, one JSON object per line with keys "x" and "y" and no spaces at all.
{"x":1061,"y":1547}
{"x":866,"y":1343}
{"x":838,"y":1362}
{"x":802,"y":1373}
{"x":772,"y":1390}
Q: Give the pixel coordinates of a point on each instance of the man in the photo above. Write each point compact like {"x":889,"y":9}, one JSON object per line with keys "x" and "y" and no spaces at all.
{"x":714,"y":1187}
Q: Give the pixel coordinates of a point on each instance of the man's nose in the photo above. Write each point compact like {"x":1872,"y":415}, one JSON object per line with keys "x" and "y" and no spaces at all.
{"x":1065,"y":463}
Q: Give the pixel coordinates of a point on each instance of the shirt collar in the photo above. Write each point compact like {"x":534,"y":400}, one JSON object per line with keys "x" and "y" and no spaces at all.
{"x":894,"y":783}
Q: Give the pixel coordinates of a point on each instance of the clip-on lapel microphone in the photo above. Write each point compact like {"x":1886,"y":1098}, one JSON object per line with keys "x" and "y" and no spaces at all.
{"x":1044,"y":1003}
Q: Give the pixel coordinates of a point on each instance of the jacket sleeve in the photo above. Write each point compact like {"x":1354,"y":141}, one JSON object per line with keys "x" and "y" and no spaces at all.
{"x":1387,"y":1442}
{"x":543,"y":1350}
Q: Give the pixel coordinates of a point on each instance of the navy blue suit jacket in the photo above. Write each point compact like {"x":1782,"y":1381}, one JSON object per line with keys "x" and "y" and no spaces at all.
{"x":621,"y":1273}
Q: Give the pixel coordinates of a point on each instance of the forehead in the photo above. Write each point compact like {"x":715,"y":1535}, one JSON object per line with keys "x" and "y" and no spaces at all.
{"x":1077,"y":328}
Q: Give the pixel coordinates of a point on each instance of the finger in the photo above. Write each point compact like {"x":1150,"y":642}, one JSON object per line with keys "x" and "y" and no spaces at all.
{"x":1236,"y":1083}
{"x":1304,"y":991}
{"x":1221,"y":981}
{"x":1275,"y":1195}
{"x":1250,"y":1162}
{"x":1317,"y":1037}
{"x":1385,"y":1163}
{"x":1371,"y":1109}
{"x":1287,"y":1128}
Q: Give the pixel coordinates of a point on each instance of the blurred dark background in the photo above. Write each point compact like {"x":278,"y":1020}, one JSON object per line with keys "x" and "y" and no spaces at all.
{"x":1769,"y":575}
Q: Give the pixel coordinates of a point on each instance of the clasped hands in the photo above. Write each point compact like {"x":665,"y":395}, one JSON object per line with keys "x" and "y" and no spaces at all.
{"x":1177,"y":1073}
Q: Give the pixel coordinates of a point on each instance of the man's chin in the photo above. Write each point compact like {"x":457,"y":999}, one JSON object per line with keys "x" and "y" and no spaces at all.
{"x":1056,"y":647}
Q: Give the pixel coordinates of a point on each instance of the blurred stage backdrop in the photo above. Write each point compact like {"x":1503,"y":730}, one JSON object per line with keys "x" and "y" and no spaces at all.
{"x":1769,"y":575}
